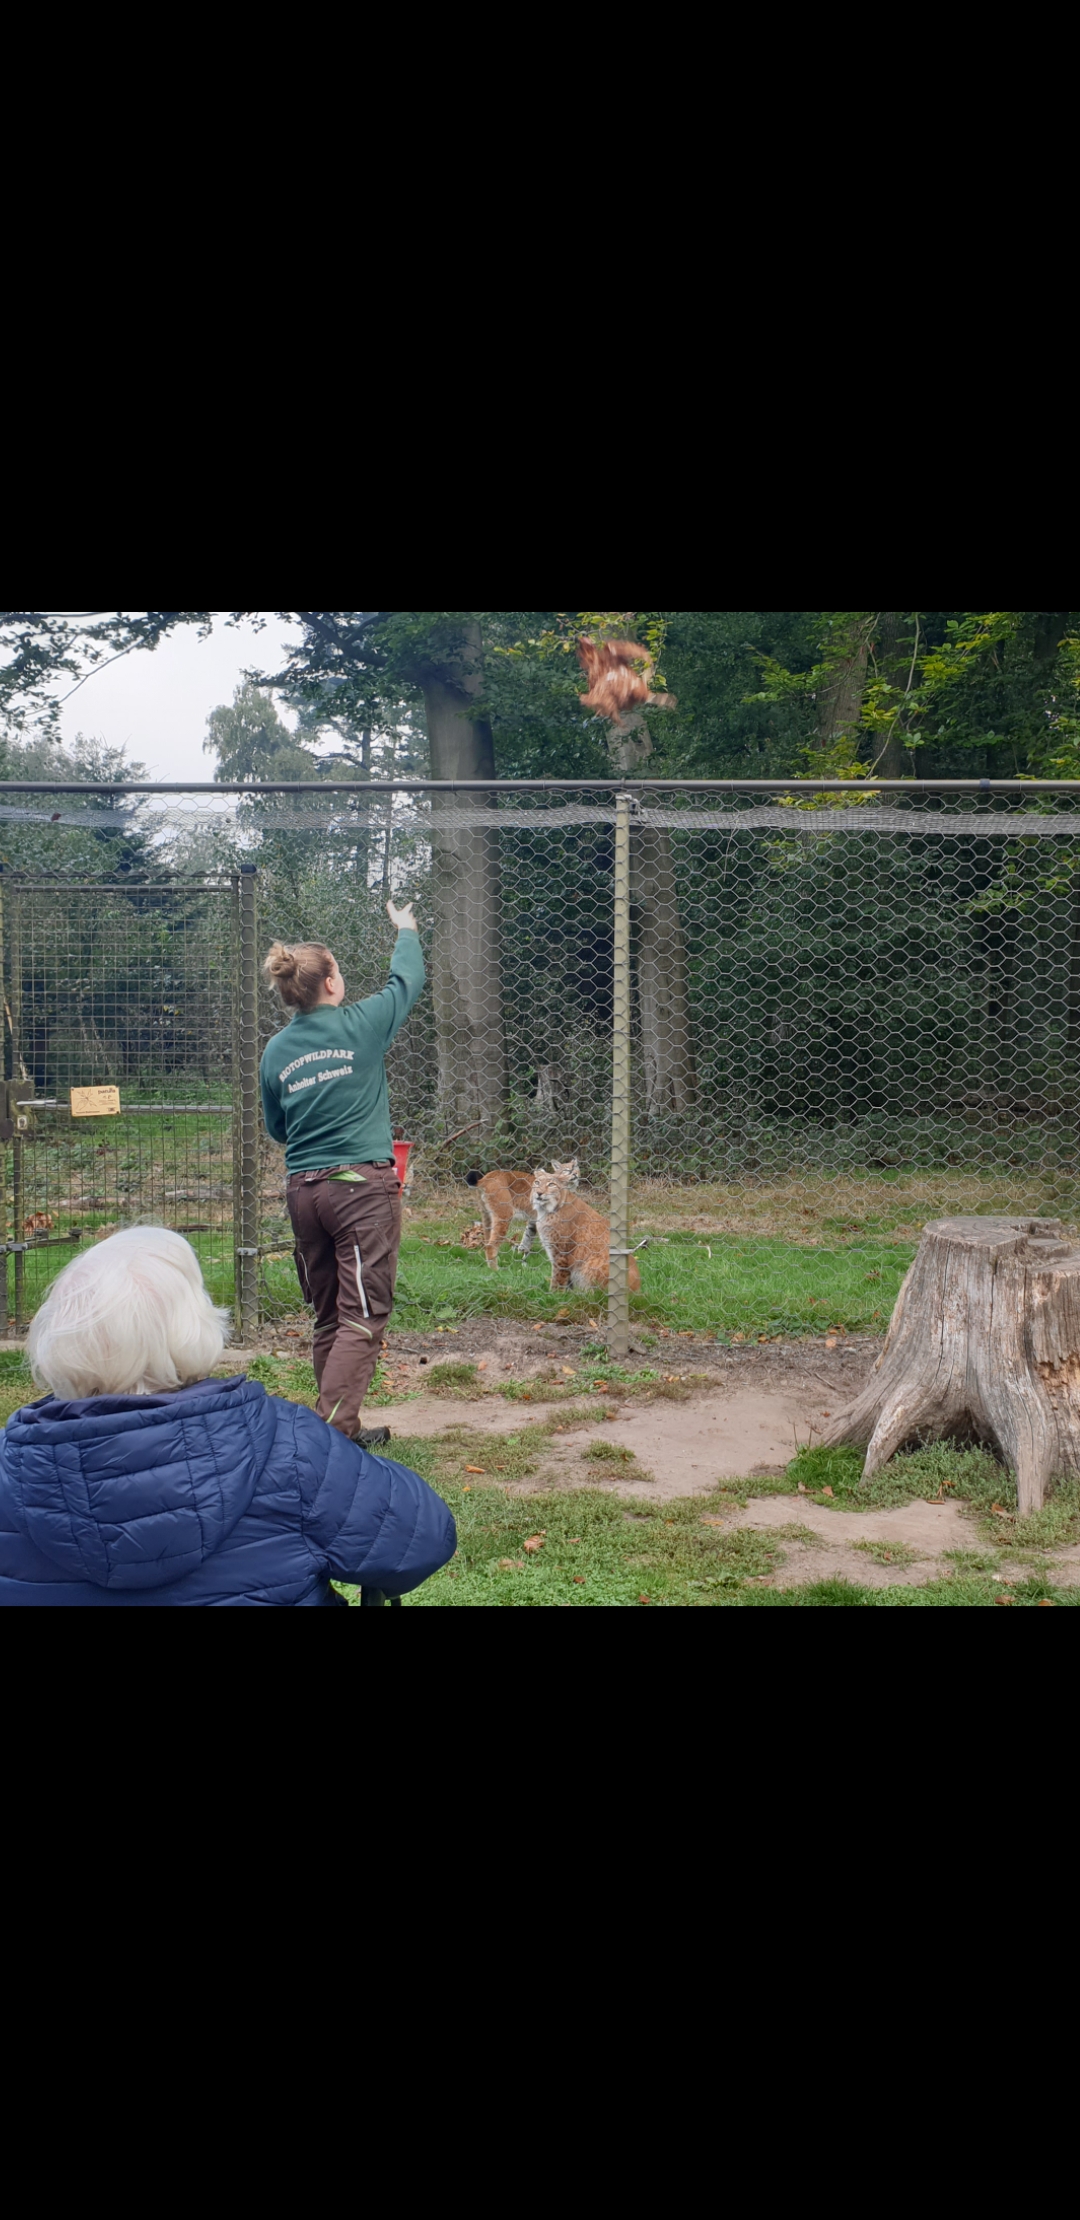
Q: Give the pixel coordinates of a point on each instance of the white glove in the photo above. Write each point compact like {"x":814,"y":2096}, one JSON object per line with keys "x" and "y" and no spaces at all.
{"x":403,"y":918}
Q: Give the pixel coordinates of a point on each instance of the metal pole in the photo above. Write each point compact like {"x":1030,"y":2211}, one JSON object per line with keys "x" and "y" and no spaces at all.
{"x":367,"y":790}
{"x":247,"y":1246}
{"x":18,"y":1210}
{"x":3,"y":1145}
{"x":618,"y":1291}
{"x":237,"y":1132}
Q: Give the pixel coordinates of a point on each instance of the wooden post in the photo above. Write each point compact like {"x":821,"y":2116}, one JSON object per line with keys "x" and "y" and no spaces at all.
{"x":618,"y":1335}
{"x":984,"y":1341}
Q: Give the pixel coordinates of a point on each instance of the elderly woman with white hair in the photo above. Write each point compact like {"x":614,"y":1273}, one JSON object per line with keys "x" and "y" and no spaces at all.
{"x":138,"y":1479}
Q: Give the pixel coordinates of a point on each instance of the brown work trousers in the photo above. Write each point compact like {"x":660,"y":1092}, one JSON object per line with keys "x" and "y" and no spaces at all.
{"x":347,"y":1223}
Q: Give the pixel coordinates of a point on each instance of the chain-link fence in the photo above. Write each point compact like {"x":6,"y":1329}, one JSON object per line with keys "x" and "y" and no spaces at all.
{"x":773,"y":1025}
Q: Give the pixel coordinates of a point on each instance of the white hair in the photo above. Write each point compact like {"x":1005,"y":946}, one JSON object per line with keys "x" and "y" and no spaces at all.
{"x":131,"y":1316}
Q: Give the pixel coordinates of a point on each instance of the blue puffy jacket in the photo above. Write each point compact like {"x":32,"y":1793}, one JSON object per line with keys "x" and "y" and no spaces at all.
{"x":219,"y":1493}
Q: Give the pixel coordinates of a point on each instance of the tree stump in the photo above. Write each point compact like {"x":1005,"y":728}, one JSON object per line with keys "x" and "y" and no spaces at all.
{"x":984,"y":1341}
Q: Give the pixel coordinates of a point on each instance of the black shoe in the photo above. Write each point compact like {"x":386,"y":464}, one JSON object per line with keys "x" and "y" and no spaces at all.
{"x":372,"y":1437}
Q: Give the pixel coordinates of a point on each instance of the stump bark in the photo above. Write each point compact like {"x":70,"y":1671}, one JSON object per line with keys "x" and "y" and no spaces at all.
{"x":984,"y":1341}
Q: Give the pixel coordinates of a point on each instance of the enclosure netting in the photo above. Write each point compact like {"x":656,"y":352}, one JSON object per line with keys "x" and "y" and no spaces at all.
{"x":848,"y":1013}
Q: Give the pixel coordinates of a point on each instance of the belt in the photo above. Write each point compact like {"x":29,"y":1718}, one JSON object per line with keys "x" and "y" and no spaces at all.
{"x":326,"y":1171}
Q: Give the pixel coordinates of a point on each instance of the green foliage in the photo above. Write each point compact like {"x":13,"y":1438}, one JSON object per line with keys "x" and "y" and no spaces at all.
{"x":99,"y":838}
{"x":251,"y":741}
{"x":940,"y":691}
{"x":926,"y":691}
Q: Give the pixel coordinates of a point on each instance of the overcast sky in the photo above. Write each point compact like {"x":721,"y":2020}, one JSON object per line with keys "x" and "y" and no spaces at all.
{"x":156,"y":705}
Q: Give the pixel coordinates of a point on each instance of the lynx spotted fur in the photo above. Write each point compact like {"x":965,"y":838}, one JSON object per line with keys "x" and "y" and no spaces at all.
{"x":505,"y":1196}
{"x":574,"y":1235}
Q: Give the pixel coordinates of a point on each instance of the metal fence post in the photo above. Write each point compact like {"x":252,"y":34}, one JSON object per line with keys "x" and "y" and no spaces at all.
{"x":14,"y":1018}
{"x":618,"y":1334}
{"x":246,"y":1116}
{"x":3,"y":1144}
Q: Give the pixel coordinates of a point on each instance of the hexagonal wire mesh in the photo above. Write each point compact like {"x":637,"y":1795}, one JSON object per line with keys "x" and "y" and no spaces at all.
{"x":807,"y":1023}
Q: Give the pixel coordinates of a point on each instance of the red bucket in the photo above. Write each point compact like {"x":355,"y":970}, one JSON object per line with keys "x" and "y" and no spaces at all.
{"x":401,"y":1158}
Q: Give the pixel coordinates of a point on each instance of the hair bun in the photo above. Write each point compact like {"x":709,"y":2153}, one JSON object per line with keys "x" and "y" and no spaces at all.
{"x":299,"y":973}
{"x":281,"y":963}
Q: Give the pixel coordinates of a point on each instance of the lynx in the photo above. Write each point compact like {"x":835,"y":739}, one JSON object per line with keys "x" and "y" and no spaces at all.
{"x":575,"y":1236}
{"x":505,"y":1196}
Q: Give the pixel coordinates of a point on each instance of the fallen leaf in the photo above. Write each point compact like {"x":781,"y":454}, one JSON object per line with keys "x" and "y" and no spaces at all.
{"x":1047,"y":1603}
{"x":830,"y":1345}
{"x":713,"y":1522}
{"x":474,"y":1468}
{"x":482,"y":1366}
{"x":644,"y":1599}
{"x":579,"y":1580}
{"x":538,"y":1329}
{"x":526,"y":1398}
{"x":569,"y":1371}
{"x":1004,"y":1599}
{"x":466,"y":1490}
{"x":802,"y":1490}
{"x":826,"y":1491}
{"x":573,"y":1541}
{"x":511,"y":1564}
{"x":999,"y":1511}
{"x":535,"y":1542}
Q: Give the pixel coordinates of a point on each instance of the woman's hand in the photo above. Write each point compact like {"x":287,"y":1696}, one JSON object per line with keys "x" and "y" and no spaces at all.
{"x":403,"y":918}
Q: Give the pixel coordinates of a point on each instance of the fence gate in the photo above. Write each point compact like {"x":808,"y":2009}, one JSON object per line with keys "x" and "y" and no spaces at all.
{"x":130,"y":1082}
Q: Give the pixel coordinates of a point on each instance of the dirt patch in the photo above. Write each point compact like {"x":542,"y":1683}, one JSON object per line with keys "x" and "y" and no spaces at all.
{"x":753,"y":1415}
{"x":512,"y":1348}
{"x":827,"y":1554}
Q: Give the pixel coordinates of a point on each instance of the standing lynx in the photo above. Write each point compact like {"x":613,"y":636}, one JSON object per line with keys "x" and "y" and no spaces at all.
{"x":575,"y":1236}
{"x":505,"y":1196}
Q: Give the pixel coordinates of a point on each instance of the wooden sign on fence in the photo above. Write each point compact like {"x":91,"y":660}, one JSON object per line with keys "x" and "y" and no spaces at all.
{"x":95,"y":1102}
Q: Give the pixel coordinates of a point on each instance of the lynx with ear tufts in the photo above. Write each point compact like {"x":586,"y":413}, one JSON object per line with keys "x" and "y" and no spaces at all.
{"x":505,"y":1196}
{"x":574,"y":1235}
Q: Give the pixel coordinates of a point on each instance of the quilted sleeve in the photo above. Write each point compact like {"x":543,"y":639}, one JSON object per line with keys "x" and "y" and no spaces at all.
{"x":373,"y":1521}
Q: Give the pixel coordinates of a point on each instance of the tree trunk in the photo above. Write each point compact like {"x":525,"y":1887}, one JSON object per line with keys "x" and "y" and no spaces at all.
{"x":894,"y":663}
{"x":465,"y":971}
{"x":840,"y":706}
{"x":663,"y":990}
{"x":984,"y":1340}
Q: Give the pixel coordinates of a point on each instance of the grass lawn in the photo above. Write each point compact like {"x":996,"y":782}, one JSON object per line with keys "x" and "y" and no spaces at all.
{"x":725,"y":1283}
{"x":782,"y":1259}
{"x":551,"y":1548}
{"x":569,"y":1548}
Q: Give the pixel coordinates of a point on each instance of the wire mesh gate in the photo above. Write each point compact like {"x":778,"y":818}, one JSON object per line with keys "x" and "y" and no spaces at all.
{"x":137,"y":992}
{"x":792,"y":1000}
